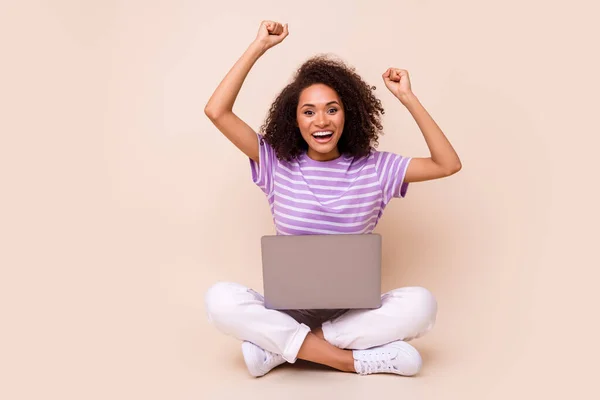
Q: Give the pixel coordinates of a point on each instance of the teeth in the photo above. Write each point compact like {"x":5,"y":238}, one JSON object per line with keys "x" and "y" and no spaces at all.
{"x":317,"y":134}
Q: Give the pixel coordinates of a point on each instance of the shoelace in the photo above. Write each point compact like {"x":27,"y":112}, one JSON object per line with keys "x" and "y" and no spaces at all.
{"x":270,"y":359}
{"x":377,"y":362}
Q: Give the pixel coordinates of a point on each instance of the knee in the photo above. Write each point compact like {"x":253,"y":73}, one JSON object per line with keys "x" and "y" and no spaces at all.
{"x":425,"y":305}
{"x":223,"y":299}
{"x":419,"y":305}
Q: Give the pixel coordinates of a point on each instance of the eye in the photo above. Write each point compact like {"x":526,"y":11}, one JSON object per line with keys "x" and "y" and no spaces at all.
{"x":331,"y":111}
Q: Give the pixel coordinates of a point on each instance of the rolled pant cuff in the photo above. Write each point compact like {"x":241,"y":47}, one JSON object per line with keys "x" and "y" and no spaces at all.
{"x":290,"y":354}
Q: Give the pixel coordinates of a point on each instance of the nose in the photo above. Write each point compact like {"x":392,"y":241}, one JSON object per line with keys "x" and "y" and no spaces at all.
{"x":322,"y":120}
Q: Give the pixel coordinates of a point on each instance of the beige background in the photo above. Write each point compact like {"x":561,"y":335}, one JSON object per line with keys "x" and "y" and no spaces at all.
{"x":121,"y":204}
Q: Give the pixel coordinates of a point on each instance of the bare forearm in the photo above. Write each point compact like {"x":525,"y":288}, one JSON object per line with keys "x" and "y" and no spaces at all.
{"x":442,"y":152}
{"x":226,"y":93}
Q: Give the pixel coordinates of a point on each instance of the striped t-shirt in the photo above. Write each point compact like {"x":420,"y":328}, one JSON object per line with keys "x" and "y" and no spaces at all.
{"x":340,"y":196}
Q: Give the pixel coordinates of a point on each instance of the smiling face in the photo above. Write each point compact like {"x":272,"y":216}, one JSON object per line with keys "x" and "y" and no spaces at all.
{"x":320,"y":117}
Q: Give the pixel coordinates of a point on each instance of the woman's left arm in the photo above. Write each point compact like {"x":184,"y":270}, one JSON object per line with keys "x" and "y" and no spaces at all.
{"x":443,"y":161}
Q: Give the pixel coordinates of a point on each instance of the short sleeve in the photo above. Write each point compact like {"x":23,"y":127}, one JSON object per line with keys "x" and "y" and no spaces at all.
{"x":263,"y":172}
{"x":391,"y":170}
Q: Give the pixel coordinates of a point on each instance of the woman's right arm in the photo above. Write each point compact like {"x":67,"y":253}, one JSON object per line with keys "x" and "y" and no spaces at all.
{"x":219,"y":107}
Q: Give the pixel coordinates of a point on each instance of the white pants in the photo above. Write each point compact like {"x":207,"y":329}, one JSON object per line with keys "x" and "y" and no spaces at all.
{"x":238,"y":311}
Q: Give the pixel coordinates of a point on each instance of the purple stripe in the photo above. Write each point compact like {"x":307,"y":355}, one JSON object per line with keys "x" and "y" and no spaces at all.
{"x":298,"y":226}
{"x":401,"y":186}
{"x":322,"y":194}
{"x":325,"y":203}
{"x":391,"y":174}
{"x":286,"y":214}
{"x":313,"y":178}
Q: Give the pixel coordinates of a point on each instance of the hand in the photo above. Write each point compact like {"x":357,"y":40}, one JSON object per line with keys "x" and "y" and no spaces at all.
{"x":398,"y":82}
{"x":271,"y":33}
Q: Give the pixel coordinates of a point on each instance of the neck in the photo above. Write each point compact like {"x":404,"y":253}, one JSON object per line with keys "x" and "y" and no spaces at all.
{"x":316,"y":156}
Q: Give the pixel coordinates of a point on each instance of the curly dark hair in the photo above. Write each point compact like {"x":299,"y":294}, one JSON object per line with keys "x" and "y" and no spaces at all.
{"x":362,"y":109}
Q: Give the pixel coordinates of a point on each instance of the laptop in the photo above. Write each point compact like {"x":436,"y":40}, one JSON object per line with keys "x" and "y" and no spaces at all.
{"x":321,"y":271}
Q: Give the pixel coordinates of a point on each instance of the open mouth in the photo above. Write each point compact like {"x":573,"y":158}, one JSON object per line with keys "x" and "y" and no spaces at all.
{"x":322,"y":137}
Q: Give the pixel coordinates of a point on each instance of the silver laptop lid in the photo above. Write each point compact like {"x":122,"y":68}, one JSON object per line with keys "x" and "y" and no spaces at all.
{"x":322,"y":271}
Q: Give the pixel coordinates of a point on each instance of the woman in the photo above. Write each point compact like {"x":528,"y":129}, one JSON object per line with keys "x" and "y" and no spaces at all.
{"x":317,"y":165}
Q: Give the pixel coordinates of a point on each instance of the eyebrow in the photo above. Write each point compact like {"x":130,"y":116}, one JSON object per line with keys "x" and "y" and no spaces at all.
{"x":312,"y":105}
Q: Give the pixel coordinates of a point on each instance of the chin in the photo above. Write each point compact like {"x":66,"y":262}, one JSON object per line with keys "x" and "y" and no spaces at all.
{"x":323,"y":149}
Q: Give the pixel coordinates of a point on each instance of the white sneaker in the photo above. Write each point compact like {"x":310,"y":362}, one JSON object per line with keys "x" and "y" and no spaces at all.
{"x":259,"y":361}
{"x":394,"y":358}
